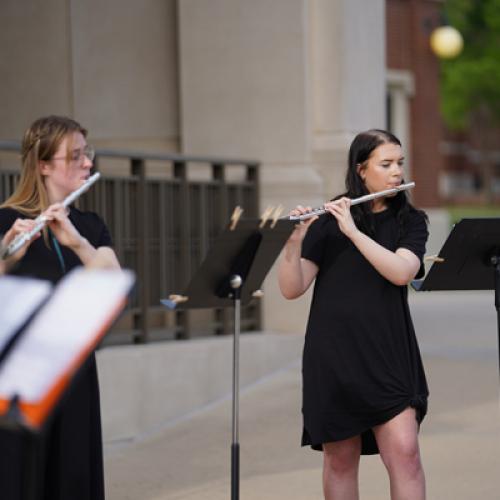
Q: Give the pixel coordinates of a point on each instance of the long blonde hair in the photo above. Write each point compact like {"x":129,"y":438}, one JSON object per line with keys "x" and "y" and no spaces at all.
{"x":40,"y":143}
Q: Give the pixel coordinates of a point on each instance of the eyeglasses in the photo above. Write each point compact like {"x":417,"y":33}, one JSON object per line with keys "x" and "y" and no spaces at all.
{"x":78,"y":154}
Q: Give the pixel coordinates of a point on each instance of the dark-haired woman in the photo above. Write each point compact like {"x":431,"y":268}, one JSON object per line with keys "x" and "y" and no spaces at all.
{"x":364,"y":387}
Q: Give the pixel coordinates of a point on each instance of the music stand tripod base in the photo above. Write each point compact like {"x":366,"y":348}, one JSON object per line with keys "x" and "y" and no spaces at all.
{"x":231,"y":275}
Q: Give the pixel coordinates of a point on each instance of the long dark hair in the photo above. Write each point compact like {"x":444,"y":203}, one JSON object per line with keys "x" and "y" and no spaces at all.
{"x":361,"y":148}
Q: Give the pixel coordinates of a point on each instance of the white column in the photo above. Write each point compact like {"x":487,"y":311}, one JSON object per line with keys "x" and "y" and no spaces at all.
{"x":35,"y":63}
{"x":244,"y":93}
{"x":288,"y":82}
{"x":400,"y":89}
{"x":348,"y":71}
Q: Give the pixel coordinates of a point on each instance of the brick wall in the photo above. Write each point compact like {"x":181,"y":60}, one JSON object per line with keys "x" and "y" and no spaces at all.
{"x":409,"y":24}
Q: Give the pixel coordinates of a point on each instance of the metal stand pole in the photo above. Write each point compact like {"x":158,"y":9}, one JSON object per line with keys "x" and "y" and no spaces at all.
{"x":236,"y":283}
{"x":495,"y":260}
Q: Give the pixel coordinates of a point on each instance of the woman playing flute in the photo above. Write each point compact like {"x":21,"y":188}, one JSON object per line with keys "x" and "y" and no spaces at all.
{"x":56,"y":161}
{"x":364,"y":387}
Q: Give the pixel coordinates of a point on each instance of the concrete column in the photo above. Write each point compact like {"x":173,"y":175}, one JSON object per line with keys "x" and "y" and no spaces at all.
{"x":401,"y":87}
{"x":112,"y":65}
{"x":348,"y":71}
{"x":245,"y":93}
{"x":287,"y":82}
{"x":35,"y":63}
{"x":124,"y":67}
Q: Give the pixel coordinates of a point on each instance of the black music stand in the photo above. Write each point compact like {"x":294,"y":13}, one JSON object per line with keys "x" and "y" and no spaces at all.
{"x":231,"y":274}
{"x":469,"y":260}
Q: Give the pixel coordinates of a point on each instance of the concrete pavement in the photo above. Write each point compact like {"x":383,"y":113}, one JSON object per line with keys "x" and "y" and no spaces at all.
{"x":460,"y":438}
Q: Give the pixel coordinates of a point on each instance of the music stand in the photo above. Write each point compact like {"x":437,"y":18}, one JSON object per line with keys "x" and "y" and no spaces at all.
{"x":468,"y":260}
{"x":40,"y":360}
{"x":231,"y":274}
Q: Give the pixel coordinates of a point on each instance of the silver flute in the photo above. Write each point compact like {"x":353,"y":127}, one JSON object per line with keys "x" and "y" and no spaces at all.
{"x":356,"y":201}
{"x":41,"y":220}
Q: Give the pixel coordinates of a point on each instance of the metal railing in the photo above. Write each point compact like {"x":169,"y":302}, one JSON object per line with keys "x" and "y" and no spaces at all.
{"x":162,"y":227}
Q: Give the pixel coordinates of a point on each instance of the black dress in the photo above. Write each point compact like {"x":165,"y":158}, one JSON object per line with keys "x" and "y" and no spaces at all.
{"x":361,"y":361}
{"x":72,"y":441}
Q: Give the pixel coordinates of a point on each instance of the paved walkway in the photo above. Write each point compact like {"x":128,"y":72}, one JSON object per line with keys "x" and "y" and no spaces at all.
{"x":460,"y":438}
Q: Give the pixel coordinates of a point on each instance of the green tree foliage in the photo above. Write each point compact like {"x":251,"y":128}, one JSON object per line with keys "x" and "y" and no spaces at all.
{"x":470,"y":85}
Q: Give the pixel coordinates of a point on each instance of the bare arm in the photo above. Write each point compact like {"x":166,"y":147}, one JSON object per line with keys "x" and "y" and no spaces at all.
{"x":101,"y":257}
{"x":104,"y":258}
{"x":68,"y":235}
{"x":398,"y":267}
{"x":296,"y":274}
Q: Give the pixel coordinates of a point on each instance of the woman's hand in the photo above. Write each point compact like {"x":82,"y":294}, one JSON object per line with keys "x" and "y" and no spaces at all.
{"x":341,"y":210}
{"x":296,"y":274}
{"x":302,"y":226}
{"x":20,"y":226}
{"x":62,"y":228}
{"x":67,"y":235}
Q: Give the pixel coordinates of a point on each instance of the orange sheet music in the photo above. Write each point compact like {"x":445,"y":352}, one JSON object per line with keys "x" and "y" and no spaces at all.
{"x":39,"y":367}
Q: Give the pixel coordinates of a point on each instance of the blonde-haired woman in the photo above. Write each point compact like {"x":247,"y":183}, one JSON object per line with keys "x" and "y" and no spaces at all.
{"x":56,"y":160}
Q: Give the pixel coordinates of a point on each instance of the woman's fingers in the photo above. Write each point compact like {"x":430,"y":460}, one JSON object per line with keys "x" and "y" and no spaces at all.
{"x":20,"y":227}
{"x":61,"y":226}
{"x":56,"y":212}
{"x":341,"y":210}
{"x":300,"y":210}
{"x":57,"y":216}
{"x":301,"y":226}
{"x":342,"y":205}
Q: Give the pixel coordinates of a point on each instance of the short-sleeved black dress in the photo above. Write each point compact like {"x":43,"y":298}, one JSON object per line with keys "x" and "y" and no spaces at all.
{"x":361,"y":361}
{"x":72,"y":441}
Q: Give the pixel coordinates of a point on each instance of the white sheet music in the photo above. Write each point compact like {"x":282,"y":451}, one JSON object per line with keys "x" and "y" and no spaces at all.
{"x":80,"y":306}
{"x":19,"y":299}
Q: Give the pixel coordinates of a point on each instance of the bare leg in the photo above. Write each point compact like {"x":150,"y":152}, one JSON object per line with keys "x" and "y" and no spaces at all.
{"x":397,"y":440}
{"x":340,"y":469}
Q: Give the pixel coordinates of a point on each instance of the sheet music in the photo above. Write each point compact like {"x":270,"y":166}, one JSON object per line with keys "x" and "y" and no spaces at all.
{"x":81,"y":304}
{"x":19,"y":299}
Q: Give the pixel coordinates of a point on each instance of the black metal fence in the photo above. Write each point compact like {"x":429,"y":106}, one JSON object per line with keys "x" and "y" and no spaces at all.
{"x":162,"y":227}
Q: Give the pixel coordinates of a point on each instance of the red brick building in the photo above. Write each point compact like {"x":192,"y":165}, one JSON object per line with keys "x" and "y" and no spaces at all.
{"x":413,"y":72}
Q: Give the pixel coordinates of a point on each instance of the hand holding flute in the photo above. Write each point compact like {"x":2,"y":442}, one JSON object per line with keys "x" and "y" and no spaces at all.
{"x":340,"y":209}
{"x":305,"y":216}
{"x":23,"y":232}
{"x":17,"y":240}
{"x":20,"y":227}
{"x":307,"y":213}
